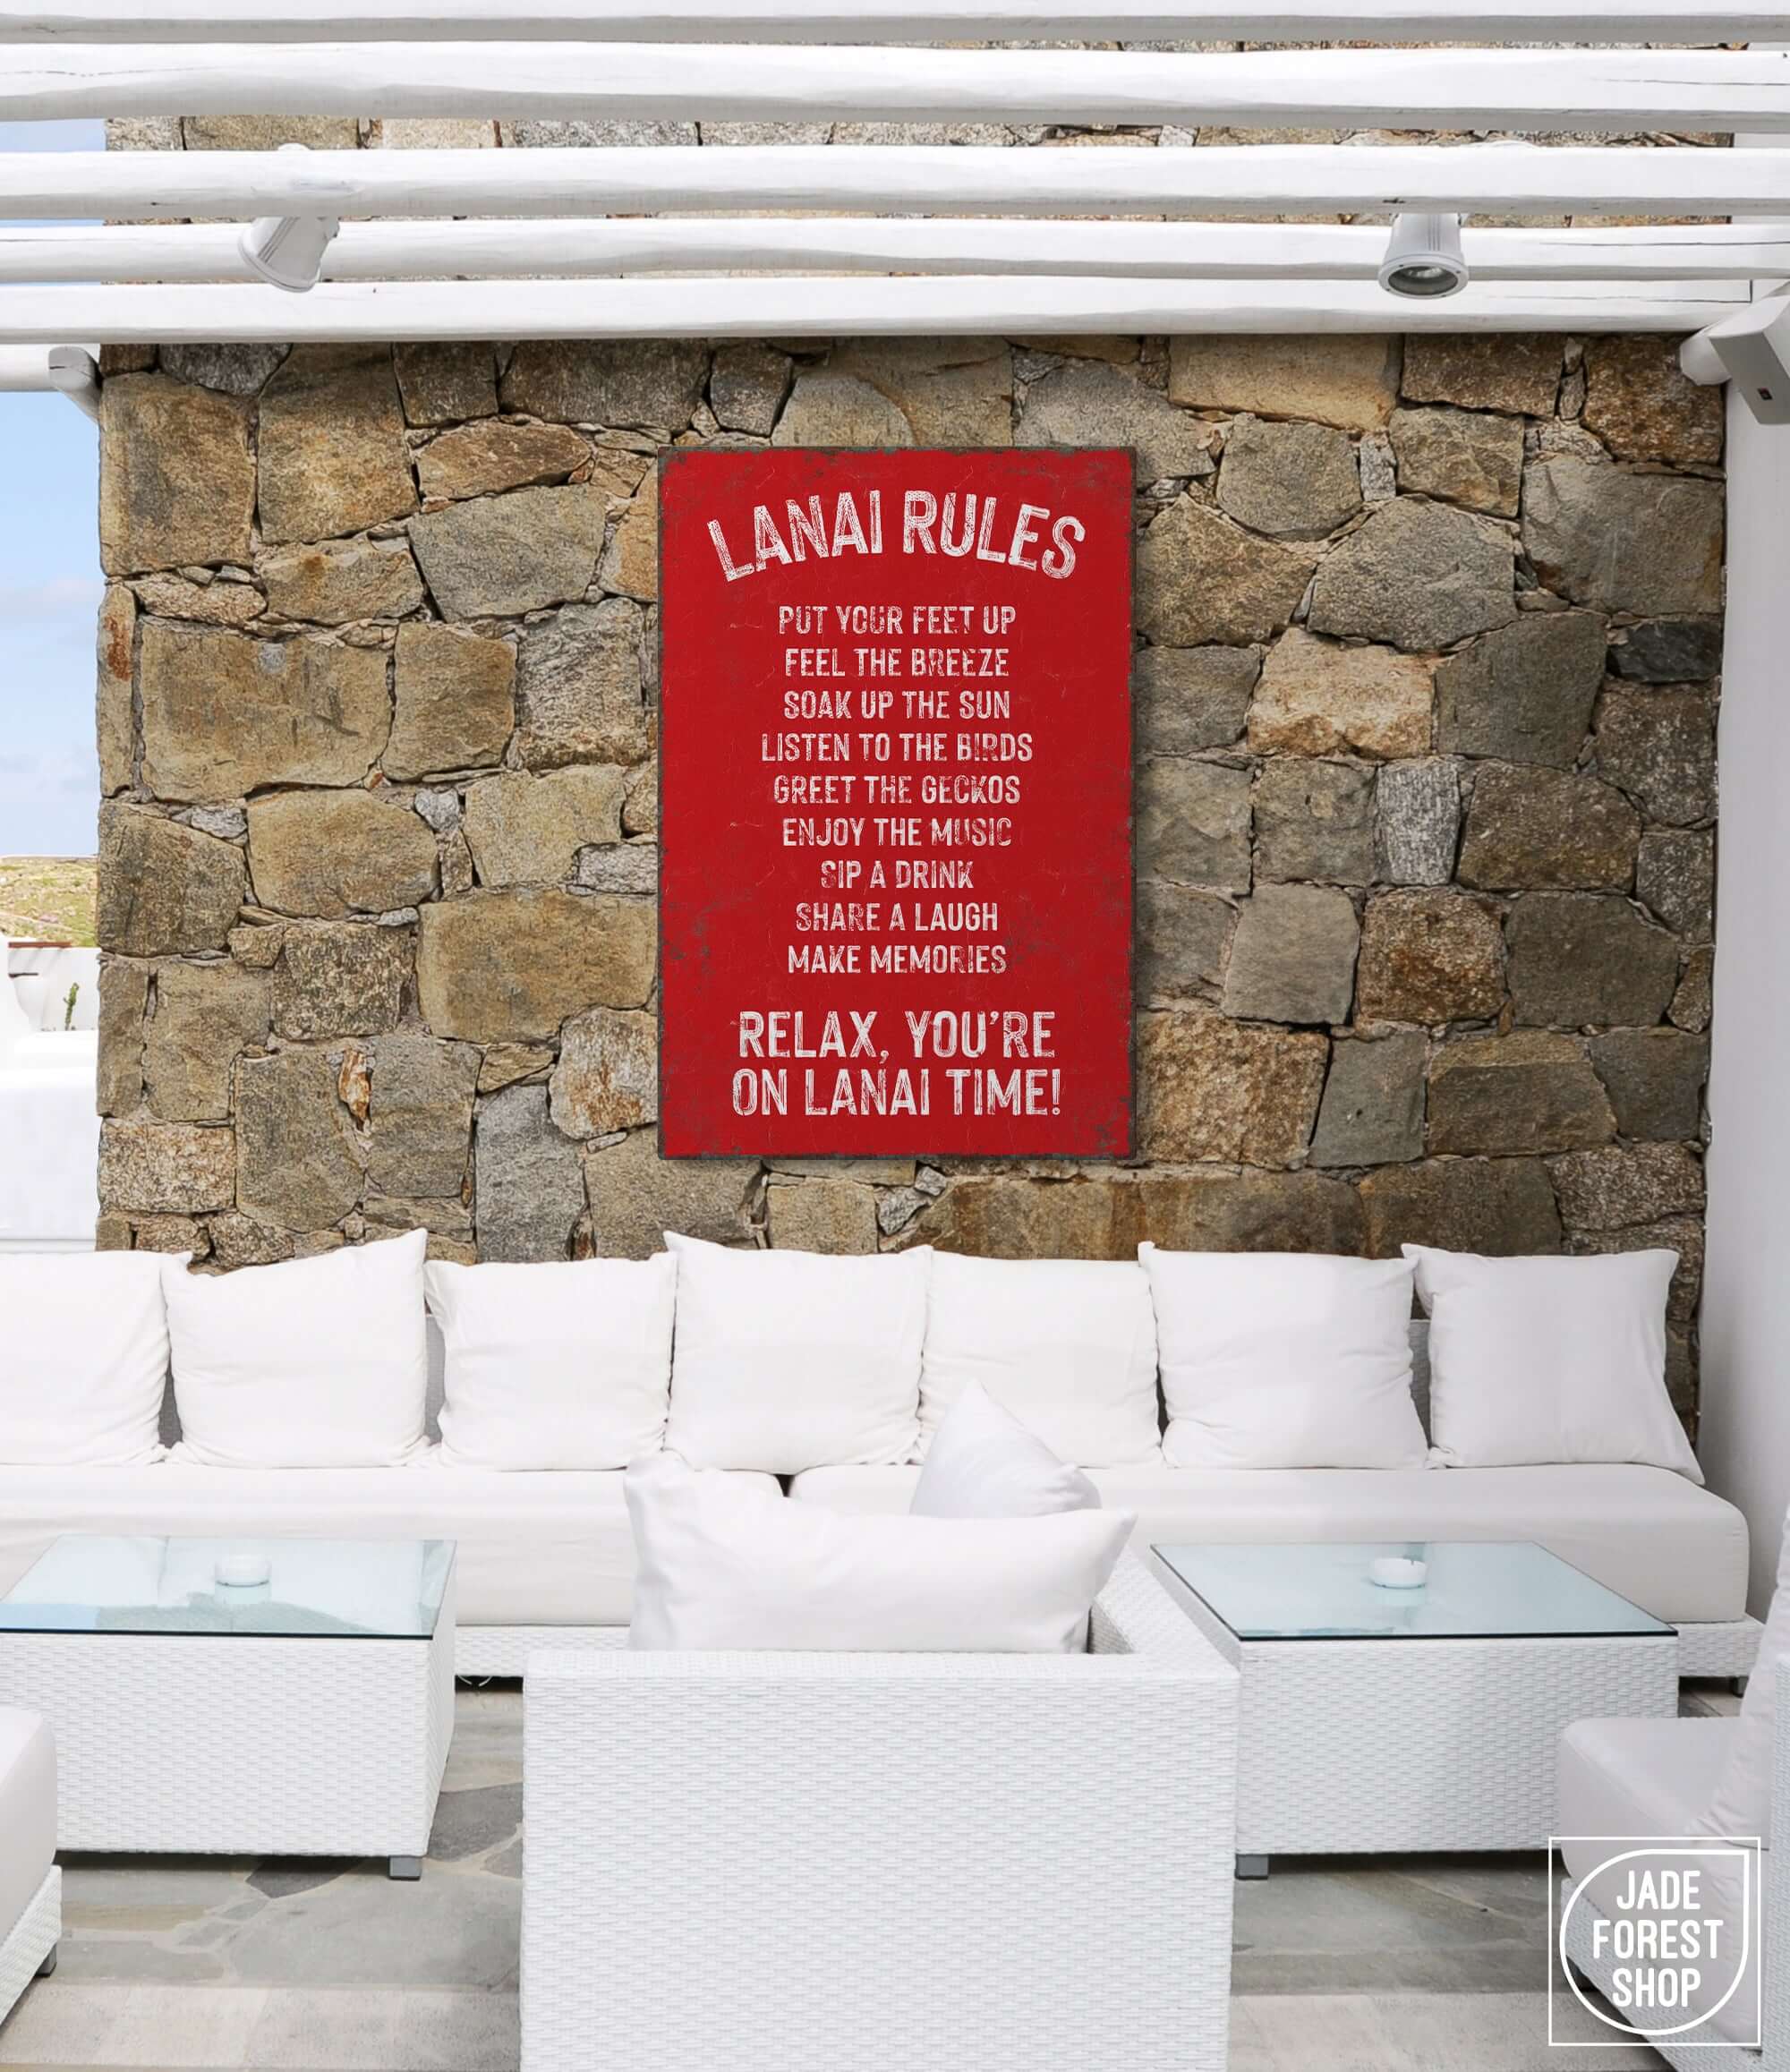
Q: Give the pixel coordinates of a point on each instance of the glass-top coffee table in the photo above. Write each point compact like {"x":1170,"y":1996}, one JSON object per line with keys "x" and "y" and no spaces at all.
{"x":1378,"y":1718}
{"x":241,"y":1696}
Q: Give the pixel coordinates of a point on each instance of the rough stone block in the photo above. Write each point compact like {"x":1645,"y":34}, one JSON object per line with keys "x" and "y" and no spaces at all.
{"x":1669,"y":651}
{"x":114,"y":724}
{"x":1294,"y":956}
{"x":1601,"y":1190}
{"x":1417,"y":821}
{"x":165,"y":891}
{"x":1583,"y":959}
{"x":1659,"y":746}
{"x":831,"y":409}
{"x":511,"y":966}
{"x":1429,"y":957}
{"x":950,"y":391}
{"x":631,"y":868}
{"x":821,"y":1216}
{"x":529,"y":1180}
{"x":1012,"y":1217}
{"x":636,"y":1196}
{"x":1524,"y":693}
{"x":341,"y":978}
{"x":1528,"y":825}
{"x":329,"y":854}
{"x":1372,"y":1109}
{"x":1463,"y":457}
{"x":1213,"y":1088}
{"x":637,"y":383}
{"x":166,"y":1168}
{"x":221,"y":600}
{"x":1690,"y":1006}
{"x":1085,"y":403}
{"x":224,"y":715}
{"x":1621,"y":540}
{"x":268,"y":132}
{"x":1492,"y":372}
{"x":297,"y":1165}
{"x":176,"y":476}
{"x":1289,"y":481}
{"x":328,"y":586}
{"x":528,"y":831}
{"x":124,"y":998}
{"x":238,"y":1241}
{"x":1201,"y":579}
{"x":1314,"y":698}
{"x":1643,"y":406}
{"x":1351,"y":381}
{"x":640,"y":809}
{"x":1181,"y":938}
{"x":1501,"y":1206}
{"x":608,"y":1074}
{"x":1524,"y":1093}
{"x":1190,"y":698}
{"x":483,"y":459}
{"x":1674,"y":874}
{"x":1419,"y":575}
{"x":1314,"y":821}
{"x":443,"y":384}
{"x":421,"y":1116}
{"x":747,"y":387}
{"x":1193,"y":823}
{"x":456,"y":701}
{"x":332,"y":457}
{"x":1654,"y":1080}
{"x":206,"y":1015}
{"x":238,"y":370}
{"x":630,"y":563}
{"x":500,"y":556}
{"x":579,"y":689}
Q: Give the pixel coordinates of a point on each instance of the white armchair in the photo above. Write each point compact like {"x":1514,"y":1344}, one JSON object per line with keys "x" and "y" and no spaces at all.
{"x":810,"y":1863}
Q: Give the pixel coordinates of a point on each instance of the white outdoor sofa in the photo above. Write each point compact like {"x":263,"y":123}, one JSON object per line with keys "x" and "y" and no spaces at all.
{"x":30,"y":1884}
{"x":547,"y":1559}
{"x":1629,"y":1779}
{"x":800,"y":1862}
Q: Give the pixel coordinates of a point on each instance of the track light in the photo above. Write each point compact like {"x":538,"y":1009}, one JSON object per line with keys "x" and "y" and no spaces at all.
{"x":1424,"y":258}
{"x":287,"y":251}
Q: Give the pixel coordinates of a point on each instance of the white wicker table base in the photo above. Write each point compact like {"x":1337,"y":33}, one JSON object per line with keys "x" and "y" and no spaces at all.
{"x":236,"y":1745}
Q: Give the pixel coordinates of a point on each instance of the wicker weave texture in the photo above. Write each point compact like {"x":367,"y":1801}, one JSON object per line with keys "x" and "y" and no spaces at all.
{"x":502,"y":1651}
{"x":783,"y":1863}
{"x":31,"y":1940}
{"x":232,"y":1744}
{"x":1718,"y":1650}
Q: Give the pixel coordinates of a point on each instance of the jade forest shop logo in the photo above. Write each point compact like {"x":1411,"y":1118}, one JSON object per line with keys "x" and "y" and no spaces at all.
{"x":1657,"y":1938}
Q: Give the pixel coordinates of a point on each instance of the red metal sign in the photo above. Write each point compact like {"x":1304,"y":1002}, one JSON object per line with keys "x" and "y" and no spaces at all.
{"x":895,"y":899}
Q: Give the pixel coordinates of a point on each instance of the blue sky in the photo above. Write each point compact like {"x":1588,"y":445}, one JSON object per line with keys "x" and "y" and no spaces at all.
{"x":49,"y":589}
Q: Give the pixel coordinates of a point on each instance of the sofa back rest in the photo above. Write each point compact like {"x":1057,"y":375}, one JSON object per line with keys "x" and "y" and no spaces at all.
{"x":1419,"y":1369}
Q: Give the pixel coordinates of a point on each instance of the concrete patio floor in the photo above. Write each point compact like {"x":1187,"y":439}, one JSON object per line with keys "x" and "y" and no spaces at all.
{"x":1430,"y":1963}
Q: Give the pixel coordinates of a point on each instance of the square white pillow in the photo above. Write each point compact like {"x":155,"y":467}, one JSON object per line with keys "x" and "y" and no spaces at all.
{"x":983,"y":1464}
{"x":786,"y":1361}
{"x":83,"y":1357}
{"x":314,"y":1363}
{"x":1535,"y":1360}
{"x":1740,"y":1803}
{"x":1284,"y":1359}
{"x":1069,"y":1346}
{"x":727,"y":1563}
{"x":554,"y":1366}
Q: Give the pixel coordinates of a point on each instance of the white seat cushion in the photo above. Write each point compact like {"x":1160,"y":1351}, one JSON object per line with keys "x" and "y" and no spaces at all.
{"x":1675,"y":1550}
{"x":551,"y":1549}
{"x":1629,"y":1780}
{"x":28,"y":1808}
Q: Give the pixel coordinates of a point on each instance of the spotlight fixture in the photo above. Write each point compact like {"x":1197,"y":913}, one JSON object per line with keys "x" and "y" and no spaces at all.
{"x":287,"y":251}
{"x":1424,"y":258}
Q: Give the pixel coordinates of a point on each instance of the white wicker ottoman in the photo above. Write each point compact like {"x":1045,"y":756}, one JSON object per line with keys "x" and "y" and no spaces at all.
{"x":306,"y":1716}
{"x":1383,"y":1720}
{"x":30,"y":1885}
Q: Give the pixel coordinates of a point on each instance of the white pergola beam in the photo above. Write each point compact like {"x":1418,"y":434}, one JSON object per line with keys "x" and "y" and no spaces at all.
{"x":1534,"y":91}
{"x":968,"y":180}
{"x":606,"y":247}
{"x":893,"y":21}
{"x":24,"y":369}
{"x":808,"y":307}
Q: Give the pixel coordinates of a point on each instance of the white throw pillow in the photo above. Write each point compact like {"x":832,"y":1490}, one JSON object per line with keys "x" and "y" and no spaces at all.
{"x":728,"y":1564}
{"x":1284,"y":1359}
{"x":554,"y":1366}
{"x":1069,"y":1346}
{"x":786,"y":1361}
{"x":983,"y":1464}
{"x":1538,"y":1361}
{"x":83,"y":1356}
{"x":1740,"y":1803}
{"x":315,"y":1363}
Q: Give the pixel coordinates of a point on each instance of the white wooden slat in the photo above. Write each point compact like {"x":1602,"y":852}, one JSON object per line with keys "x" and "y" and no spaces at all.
{"x":516,"y":249}
{"x":808,"y":307}
{"x":1221,"y":180}
{"x":24,"y":369}
{"x":895,"y":20}
{"x":1536,"y":90}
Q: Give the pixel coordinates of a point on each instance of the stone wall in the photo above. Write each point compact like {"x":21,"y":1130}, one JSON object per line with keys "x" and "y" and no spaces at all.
{"x":1424,"y":794}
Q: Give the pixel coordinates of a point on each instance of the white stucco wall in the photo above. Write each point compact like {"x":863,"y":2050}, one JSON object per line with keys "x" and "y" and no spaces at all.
{"x":1745,"y":1445}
